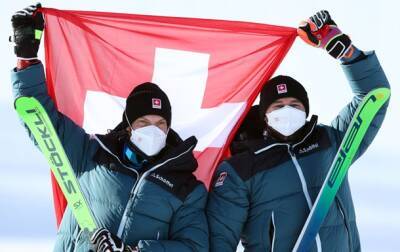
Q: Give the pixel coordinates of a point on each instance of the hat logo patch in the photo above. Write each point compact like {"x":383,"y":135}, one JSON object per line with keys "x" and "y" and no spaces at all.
{"x":156,"y":103}
{"x":281,"y":88}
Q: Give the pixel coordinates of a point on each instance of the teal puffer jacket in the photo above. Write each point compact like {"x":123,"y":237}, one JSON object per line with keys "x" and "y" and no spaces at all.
{"x":264,"y":194}
{"x":160,"y":209}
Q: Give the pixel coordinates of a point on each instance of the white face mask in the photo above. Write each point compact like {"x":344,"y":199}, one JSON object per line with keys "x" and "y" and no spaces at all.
{"x":149,"y":139}
{"x":286,"y":120}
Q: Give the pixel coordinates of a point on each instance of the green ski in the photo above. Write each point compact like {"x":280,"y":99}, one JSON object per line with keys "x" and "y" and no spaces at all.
{"x":35,"y":117}
{"x":359,"y":125}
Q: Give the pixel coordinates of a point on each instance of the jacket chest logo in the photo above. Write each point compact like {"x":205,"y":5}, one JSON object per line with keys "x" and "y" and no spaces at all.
{"x":162,"y":179}
{"x":309,"y":148}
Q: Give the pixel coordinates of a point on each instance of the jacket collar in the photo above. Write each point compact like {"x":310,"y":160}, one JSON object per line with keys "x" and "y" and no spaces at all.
{"x":111,"y":152}
{"x":270,"y":142}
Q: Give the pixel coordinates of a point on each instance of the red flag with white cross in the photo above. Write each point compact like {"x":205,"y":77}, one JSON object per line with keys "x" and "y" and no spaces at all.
{"x":211,"y":70}
{"x":281,"y":88}
{"x":156,"y":103}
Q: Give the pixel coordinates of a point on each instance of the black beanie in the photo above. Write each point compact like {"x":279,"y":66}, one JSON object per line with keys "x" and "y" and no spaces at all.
{"x":280,"y":87}
{"x":146,"y":99}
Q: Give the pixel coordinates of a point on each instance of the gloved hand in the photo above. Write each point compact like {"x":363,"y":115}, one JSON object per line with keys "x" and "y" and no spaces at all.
{"x":321,"y":31}
{"x":104,"y":241}
{"x":28,"y":26}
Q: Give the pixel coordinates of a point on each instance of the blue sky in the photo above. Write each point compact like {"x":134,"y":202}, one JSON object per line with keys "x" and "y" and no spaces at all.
{"x":25,"y":191}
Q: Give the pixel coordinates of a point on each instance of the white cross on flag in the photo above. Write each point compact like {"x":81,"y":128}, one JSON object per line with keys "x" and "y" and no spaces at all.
{"x":281,"y":88}
{"x":156,"y":103}
{"x":211,"y":70}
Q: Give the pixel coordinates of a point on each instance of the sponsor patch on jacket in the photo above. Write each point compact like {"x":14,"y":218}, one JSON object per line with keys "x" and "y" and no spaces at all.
{"x":309,"y":148}
{"x":162,"y":179}
{"x":221,"y":179}
{"x":156,"y":103}
{"x":281,"y":88}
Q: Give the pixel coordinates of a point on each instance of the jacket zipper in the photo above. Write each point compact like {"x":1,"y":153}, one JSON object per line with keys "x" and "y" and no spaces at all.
{"x":305,"y":190}
{"x":124,"y":216}
{"x":274,"y":235}
{"x":131,"y":199}
{"x":136,"y":187}
{"x":133,"y":192}
{"x":128,"y":206}
{"x":299,"y":171}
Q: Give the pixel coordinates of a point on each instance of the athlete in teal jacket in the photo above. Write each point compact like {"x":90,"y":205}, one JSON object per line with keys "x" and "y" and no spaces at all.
{"x":143,"y":194}
{"x":263,"y":194}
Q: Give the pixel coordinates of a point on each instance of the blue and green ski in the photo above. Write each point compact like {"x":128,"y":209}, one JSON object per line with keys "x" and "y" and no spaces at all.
{"x":359,"y":125}
{"x":37,"y":120}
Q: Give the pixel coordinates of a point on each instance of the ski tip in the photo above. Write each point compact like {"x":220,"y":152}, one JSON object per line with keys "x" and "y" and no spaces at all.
{"x":382,"y":93}
{"x":20,"y":100}
{"x":17,"y":101}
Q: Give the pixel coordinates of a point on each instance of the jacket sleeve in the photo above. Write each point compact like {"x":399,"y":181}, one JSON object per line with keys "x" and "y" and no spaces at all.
{"x":31,"y":82}
{"x":227,"y":209}
{"x":363,"y":76}
{"x":188,"y":228}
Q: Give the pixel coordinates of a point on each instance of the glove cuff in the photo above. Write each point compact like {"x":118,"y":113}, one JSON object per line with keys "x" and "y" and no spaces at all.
{"x":339,"y":46}
{"x":336,"y":43}
{"x":353,"y":55}
{"x":24,"y":63}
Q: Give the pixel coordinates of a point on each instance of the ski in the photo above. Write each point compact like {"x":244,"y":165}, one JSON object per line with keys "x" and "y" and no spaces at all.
{"x":359,"y":125}
{"x":37,"y":120}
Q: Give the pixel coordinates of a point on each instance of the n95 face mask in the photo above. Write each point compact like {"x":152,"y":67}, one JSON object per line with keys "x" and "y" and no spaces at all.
{"x":150,"y":139}
{"x":286,"y":120}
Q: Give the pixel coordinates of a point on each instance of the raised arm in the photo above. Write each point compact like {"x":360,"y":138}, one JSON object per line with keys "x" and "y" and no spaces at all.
{"x":362,"y":69}
{"x":363,"y":76}
{"x":28,"y":79}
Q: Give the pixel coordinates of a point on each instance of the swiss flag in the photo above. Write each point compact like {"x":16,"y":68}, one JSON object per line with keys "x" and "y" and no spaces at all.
{"x":281,"y":88}
{"x":212,"y":71}
{"x":156,"y":103}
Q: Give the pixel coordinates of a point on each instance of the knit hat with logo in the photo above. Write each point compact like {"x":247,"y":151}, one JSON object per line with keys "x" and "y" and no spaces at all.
{"x":147,"y":99}
{"x":278,"y":87}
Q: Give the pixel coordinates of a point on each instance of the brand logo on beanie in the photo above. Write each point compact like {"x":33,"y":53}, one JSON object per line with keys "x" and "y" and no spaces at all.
{"x":281,"y":88}
{"x":156,"y":103}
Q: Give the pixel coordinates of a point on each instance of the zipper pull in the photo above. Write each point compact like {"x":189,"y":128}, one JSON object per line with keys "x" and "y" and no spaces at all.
{"x":290,"y":150}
